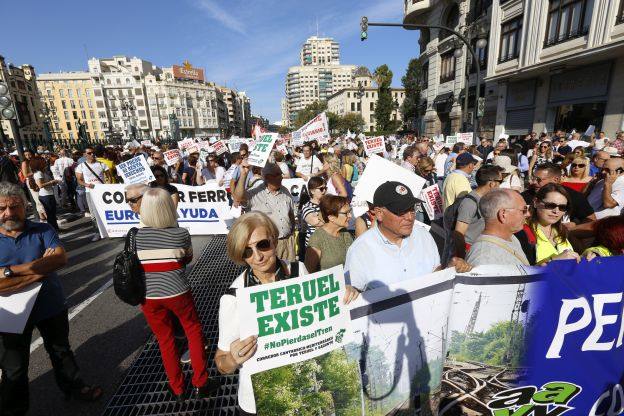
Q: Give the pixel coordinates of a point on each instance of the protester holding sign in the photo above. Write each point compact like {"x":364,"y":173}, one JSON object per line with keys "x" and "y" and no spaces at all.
{"x":329,"y":244}
{"x":308,"y":165}
{"x":252,"y":242}
{"x":162,"y":181}
{"x":272,"y":198}
{"x":212,"y":171}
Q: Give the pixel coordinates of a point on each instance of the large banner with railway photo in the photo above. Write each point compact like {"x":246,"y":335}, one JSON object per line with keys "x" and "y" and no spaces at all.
{"x":201,"y":209}
{"x":444,"y":343}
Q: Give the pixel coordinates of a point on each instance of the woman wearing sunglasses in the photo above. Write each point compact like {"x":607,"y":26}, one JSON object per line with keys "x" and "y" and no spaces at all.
{"x":578,"y":176}
{"x":162,"y":181}
{"x":329,"y":243}
{"x":545,"y":232}
{"x":542,"y":153}
{"x":251,"y":243}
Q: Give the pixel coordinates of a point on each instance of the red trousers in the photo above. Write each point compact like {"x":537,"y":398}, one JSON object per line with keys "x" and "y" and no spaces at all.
{"x":157,"y":314}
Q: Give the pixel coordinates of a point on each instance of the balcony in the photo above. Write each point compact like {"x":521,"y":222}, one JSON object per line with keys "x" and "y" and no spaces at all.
{"x":413,"y":9}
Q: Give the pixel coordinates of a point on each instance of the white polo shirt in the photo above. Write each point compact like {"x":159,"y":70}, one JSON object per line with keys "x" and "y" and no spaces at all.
{"x":373,"y":261}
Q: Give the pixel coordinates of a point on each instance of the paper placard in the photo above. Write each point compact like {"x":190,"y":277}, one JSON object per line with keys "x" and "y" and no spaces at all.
{"x":432,"y":200}
{"x":451,"y":140}
{"x":262,"y":149}
{"x":292,"y":327}
{"x":465,"y":138}
{"x":185,"y":144}
{"x":219,"y":147}
{"x":135,"y":170}
{"x":374,"y":145}
{"x":315,"y":129}
{"x":590,"y":130}
{"x":146,"y":143}
{"x":171,"y":157}
{"x":379,"y":170}
{"x":15,"y":308}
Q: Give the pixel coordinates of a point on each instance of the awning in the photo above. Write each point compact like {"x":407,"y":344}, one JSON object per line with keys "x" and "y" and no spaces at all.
{"x":443,"y":98}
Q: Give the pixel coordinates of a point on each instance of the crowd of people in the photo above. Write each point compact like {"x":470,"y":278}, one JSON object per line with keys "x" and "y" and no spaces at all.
{"x":519,"y":201}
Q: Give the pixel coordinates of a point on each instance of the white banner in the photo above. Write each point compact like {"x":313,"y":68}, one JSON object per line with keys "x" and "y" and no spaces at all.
{"x":379,"y":170}
{"x":262,"y":149}
{"x":202,"y":209}
{"x":135,"y":170}
{"x":374,"y":145}
{"x":185,"y":144}
{"x":294,"y":319}
{"x":295,"y":186}
{"x":146,"y":143}
{"x":315,"y":129}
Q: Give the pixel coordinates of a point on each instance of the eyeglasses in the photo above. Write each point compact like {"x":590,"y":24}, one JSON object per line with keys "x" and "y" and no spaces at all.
{"x":552,"y":206}
{"x":134,"y":200}
{"x":156,"y":158}
{"x":544,"y":147}
{"x":578,"y":165}
{"x":321,"y":188}
{"x":88,"y":153}
{"x":346,"y":213}
{"x":262,"y":245}
{"x":619,"y":171}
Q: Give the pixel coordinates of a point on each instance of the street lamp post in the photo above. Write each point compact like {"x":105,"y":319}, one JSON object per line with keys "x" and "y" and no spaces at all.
{"x":126,"y":106}
{"x":481,"y":42}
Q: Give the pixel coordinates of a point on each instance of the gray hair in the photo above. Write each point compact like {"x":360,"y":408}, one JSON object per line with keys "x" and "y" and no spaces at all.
{"x":494,"y":201}
{"x":9,"y":190}
{"x":138,"y":187}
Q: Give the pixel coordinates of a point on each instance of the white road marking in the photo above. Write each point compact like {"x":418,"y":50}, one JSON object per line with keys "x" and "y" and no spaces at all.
{"x":75,"y":311}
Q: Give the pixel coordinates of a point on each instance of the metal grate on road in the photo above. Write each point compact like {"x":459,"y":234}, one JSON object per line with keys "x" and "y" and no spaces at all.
{"x":144,"y":390}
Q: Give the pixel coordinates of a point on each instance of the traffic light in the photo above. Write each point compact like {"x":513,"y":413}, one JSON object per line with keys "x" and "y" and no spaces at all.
{"x":7,"y":108}
{"x":480,"y":107}
{"x":364,"y":28}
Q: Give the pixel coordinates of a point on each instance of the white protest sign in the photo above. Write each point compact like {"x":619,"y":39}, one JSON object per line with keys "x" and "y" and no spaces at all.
{"x":282,"y":149}
{"x":432,"y":201}
{"x":262,"y":149}
{"x":295,"y":186}
{"x":465,"y":137}
{"x":192,"y":149}
{"x":235,"y":143}
{"x":439,"y":138}
{"x":171,"y":157}
{"x":294,"y":319}
{"x":379,"y":170}
{"x":374,"y":145}
{"x":315,"y":129}
{"x":135,"y":170}
{"x":15,"y":308}
{"x":219,"y":147}
{"x":146,"y":143}
{"x":577,"y":143}
{"x":202,"y":209}
{"x":296,"y":138}
{"x":451,"y":140}
{"x":590,"y":130}
{"x":185,"y":144}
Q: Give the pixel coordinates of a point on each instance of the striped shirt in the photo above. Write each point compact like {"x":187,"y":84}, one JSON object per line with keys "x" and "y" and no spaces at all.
{"x":309,"y":208}
{"x":162,"y":253}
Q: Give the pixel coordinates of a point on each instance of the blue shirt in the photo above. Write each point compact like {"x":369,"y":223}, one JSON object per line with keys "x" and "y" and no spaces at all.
{"x":373,"y":261}
{"x":29,"y":246}
{"x":448,"y":164}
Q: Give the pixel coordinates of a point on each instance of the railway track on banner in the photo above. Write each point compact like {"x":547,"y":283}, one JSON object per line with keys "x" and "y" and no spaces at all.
{"x":468,"y":386}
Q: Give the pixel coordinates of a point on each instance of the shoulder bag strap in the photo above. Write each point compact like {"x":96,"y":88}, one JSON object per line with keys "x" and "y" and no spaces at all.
{"x":95,"y":174}
{"x":507,"y":249}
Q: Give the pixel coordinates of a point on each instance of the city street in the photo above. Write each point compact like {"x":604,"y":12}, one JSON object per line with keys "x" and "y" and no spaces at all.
{"x":105,"y":333}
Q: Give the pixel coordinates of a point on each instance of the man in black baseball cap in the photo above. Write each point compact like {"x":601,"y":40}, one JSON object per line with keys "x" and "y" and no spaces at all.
{"x":396,"y":248}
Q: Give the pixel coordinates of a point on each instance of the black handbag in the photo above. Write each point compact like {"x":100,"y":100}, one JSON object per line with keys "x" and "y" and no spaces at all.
{"x":128,"y":276}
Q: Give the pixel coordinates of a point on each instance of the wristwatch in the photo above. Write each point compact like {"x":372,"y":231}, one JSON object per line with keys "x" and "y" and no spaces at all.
{"x":7,"y":272}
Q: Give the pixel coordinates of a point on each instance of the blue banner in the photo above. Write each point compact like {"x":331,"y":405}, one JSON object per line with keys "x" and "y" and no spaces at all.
{"x":575,"y":363}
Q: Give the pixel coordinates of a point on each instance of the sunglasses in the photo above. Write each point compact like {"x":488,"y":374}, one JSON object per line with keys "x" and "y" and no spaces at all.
{"x":619,"y":171}
{"x":262,"y":245}
{"x":544,"y":147}
{"x":134,"y":200}
{"x":88,"y":153}
{"x":552,"y":206}
{"x":578,"y":165}
{"x":322,"y":188}
{"x":156,"y":158}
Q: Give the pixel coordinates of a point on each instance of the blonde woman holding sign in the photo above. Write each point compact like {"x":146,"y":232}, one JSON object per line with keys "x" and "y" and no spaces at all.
{"x":252,"y":243}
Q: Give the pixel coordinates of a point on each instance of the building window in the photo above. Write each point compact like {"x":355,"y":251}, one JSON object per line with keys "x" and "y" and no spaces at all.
{"x":567,"y":19}
{"x":372,"y":106}
{"x":447,"y":67}
{"x":451,"y":20}
{"x":64,"y":104}
{"x":510,"y":40}
{"x":424,"y":79}
{"x":479,"y":8}
{"x":62,"y":93}
{"x":352,"y":106}
{"x":68,"y":125}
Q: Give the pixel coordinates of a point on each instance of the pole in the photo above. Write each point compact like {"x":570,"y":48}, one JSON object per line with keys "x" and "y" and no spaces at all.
{"x":472,"y":52}
{"x":19,"y":146}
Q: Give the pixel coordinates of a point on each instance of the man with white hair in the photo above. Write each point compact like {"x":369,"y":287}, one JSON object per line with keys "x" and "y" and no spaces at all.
{"x":504,"y":212}
{"x":32,"y":252}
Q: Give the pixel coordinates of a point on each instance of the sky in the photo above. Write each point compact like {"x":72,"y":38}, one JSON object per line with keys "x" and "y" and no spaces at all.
{"x":246,"y":45}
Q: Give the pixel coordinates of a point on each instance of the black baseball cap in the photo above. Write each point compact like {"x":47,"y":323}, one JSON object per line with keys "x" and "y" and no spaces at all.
{"x":395,"y":196}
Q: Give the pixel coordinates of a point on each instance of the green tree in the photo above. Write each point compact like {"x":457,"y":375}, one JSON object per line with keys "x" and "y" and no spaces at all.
{"x":412,"y":83}
{"x":383,"y":108}
{"x":312,"y":110}
{"x":283,"y":130}
{"x":351,"y":121}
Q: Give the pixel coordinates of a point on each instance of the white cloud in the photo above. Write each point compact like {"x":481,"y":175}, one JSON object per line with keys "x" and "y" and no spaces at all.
{"x":217,"y":13}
